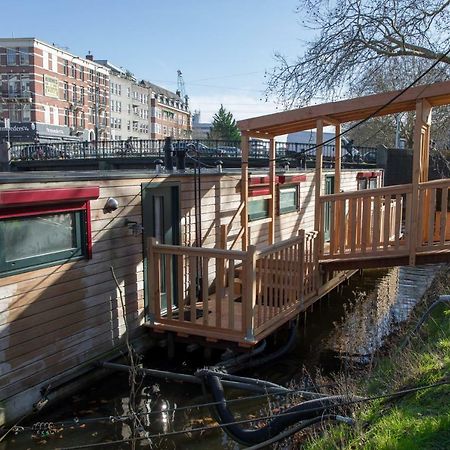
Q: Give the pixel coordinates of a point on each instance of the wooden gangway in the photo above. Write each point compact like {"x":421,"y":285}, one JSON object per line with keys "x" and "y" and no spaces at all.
{"x":379,"y":227}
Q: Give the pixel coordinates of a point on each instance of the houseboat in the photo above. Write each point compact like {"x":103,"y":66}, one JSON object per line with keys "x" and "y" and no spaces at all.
{"x":225,"y":256}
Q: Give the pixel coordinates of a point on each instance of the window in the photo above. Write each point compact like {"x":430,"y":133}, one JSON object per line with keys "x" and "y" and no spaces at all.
{"x":367,"y":182}
{"x":44,"y":227}
{"x":66,"y":67}
{"x":74,"y":93}
{"x":73,"y":71}
{"x":258,"y":209}
{"x":66,"y":117}
{"x":82,"y":95}
{"x":81,"y":73}
{"x":24,"y":56}
{"x":66,"y":90}
{"x":288,"y":199}
{"x":42,"y":239}
{"x":11,"y":57}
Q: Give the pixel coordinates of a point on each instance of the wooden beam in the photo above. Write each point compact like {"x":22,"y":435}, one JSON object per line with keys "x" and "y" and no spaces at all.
{"x":318,"y":175}
{"x":244,"y":192}
{"x":272,"y":167}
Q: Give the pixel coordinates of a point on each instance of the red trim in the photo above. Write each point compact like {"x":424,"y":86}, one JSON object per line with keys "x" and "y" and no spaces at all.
{"x":38,"y":210}
{"x":26,"y":197}
{"x":261,"y":180}
{"x":258,"y":192}
{"x":292,"y":179}
{"x":361,"y":175}
{"x":88,"y":231}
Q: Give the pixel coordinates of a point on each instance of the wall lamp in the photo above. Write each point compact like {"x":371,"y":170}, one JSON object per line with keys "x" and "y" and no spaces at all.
{"x":111,"y":205}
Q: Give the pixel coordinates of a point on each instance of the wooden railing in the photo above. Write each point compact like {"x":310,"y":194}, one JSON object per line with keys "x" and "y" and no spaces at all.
{"x":181,"y":280}
{"x":367,"y":222}
{"x":379,"y":222}
{"x":230,"y":293}
{"x":433,"y":223}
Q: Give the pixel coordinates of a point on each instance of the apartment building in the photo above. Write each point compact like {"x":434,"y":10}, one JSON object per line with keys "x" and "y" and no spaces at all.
{"x":170,"y":115}
{"x":129,"y":104}
{"x":50,"y":94}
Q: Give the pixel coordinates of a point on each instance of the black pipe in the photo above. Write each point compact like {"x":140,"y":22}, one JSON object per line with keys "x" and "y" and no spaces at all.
{"x":183,"y":377}
{"x":241,"y":359}
{"x":305,"y":411}
{"x":272,"y":356}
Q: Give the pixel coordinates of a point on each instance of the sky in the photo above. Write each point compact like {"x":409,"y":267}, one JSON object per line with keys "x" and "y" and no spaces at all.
{"x":222,"y":47}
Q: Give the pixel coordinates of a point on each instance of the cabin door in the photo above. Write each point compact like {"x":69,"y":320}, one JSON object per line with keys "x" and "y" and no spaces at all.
{"x":329,"y":189}
{"x":161,"y":220}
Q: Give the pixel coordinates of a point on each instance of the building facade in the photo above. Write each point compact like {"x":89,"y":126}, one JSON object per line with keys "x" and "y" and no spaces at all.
{"x":170,"y":115}
{"x":48,"y":94}
{"x":129,"y":104}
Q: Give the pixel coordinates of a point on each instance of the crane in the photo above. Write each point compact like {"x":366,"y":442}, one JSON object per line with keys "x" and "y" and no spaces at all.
{"x":181,"y":89}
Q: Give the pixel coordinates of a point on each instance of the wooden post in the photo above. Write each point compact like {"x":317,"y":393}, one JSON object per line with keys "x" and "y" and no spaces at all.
{"x":244,"y":192}
{"x":318,"y":219}
{"x":153,"y":280}
{"x":249,"y":293}
{"x":272,"y":168}
{"x":318,"y":177}
{"x":337,"y":159}
{"x":301,"y":257}
{"x":420,"y":150}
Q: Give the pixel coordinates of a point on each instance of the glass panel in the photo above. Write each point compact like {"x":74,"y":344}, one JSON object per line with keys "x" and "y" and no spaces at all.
{"x":258,"y":209}
{"x":288,"y":199}
{"x":24,"y":56}
{"x":10,"y":56}
{"x":158,"y":214}
{"x":37,"y":236}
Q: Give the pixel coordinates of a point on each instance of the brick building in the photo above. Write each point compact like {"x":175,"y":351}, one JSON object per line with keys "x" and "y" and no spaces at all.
{"x":170,"y":115}
{"x":49,"y":94}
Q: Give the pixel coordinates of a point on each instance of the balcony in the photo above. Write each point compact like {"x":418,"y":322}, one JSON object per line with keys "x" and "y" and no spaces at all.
{"x":16,"y":97}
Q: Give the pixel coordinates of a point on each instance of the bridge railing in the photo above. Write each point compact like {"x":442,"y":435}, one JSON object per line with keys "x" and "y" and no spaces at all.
{"x":302,"y":154}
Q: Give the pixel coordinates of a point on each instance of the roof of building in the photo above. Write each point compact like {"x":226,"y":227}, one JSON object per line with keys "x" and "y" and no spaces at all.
{"x":160,"y":90}
{"x":383,"y":104}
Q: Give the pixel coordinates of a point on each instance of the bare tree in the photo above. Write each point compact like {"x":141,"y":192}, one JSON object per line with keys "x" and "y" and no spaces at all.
{"x":355,"y":38}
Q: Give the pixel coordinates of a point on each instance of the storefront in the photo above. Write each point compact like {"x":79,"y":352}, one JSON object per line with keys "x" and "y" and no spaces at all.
{"x":32,"y":132}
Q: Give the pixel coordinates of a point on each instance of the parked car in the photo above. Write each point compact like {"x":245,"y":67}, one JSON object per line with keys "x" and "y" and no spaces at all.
{"x":229,"y":151}
{"x":195,"y":148}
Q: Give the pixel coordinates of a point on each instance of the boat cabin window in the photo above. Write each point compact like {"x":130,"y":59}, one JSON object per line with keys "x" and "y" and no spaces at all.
{"x":258,"y":209}
{"x":44,"y":227}
{"x":288,"y":199}
{"x":367,"y":183}
{"x":41,"y":240}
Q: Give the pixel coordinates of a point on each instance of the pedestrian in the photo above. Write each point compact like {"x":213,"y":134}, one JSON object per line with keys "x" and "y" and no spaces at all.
{"x":5,"y":155}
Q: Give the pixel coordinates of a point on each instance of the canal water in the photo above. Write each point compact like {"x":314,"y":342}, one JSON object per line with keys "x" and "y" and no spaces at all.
{"x":344,"y":328}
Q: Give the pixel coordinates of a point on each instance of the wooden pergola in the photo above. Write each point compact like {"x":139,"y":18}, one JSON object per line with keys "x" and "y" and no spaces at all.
{"x":420,"y":98}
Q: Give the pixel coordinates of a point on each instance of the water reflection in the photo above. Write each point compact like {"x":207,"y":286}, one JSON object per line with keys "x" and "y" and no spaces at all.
{"x":376,"y":313}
